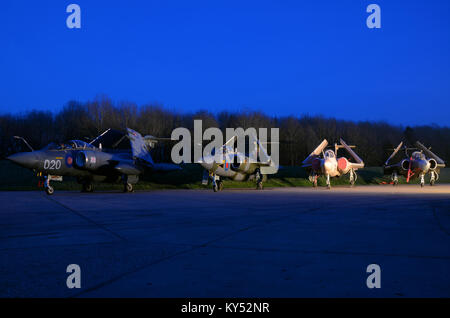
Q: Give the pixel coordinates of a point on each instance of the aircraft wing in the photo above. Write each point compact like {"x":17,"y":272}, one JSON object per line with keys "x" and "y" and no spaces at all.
{"x":166,"y":167}
{"x":429,"y":153}
{"x":393,"y":154}
{"x":152,"y":140}
{"x":111,"y":139}
{"x":316,"y":152}
{"x":139,"y":147}
{"x":359,"y":162}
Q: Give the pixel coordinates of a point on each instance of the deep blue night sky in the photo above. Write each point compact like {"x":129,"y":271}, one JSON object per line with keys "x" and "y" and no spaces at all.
{"x":281,"y":57}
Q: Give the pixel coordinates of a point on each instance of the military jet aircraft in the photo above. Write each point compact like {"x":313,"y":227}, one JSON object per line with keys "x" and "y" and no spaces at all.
{"x":418,"y":164}
{"x":90,"y":162}
{"x":325,"y":162}
{"x":236,"y":165}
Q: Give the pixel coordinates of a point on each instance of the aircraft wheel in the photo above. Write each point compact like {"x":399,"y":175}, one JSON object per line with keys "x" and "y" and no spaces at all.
{"x":49,"y":190}
{"x":329,"y":187}
{"x":352,"y":184}
{"x":128,"y":187}
{"x":88,"y":187}
{"x":421,"y":185}
{"x":431,"y":183}
{"x":259,"y":185}
{"x":220,"y":185}
{"x":215,"y":187}
{"x":395,"y":183}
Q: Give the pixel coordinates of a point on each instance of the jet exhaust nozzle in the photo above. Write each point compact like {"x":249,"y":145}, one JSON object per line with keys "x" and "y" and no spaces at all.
{"x":24,"y":159}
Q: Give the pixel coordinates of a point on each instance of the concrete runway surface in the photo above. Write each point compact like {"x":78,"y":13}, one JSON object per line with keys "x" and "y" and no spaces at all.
{"x":284,"y":242}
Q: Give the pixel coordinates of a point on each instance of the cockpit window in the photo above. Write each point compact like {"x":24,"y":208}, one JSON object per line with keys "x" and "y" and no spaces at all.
{"x":329,"y":154}
{"x":72,"y":144}
{"x":418,"y":155}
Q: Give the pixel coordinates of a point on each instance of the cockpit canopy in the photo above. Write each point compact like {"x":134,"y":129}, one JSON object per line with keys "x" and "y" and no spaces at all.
{"x":418,"y":155}
{"x":329,"y":154}
{"x":70,"y":145}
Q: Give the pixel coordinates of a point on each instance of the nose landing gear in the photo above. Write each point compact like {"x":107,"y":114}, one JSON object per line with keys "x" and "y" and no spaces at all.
{"x":45,"y":182}
{"x":328,"y":182}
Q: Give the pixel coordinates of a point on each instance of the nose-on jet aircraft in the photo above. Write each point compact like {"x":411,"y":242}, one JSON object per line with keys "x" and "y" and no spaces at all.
{"x":325,"y":162}
{"x":227,"y":162}
{"x":90,"y":163}
{"x":418,"y":164}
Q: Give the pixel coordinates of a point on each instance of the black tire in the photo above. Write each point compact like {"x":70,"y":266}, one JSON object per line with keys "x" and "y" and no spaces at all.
{"x":220,"y":185}
{"x":128,"y":187}
{"x":259,"y":185}
{"x":88,"y":187}
{"x":395,"y":183}
{"x":49,"y":190}
{"x":431,"y":183}
{"x":215,"y":187}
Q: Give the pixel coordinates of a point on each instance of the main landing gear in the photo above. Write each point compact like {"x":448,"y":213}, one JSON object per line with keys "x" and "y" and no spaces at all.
{"x":433,"y":177}
{"x":217,"y":184}
{"x":328,"y":182}
{"x":87,"y":186}
{"x":313,"y":179}
{"x":394,"y":178}
{"x":259,"y":180}
{"x":422,"y":180}
{"x":353,"y":177}
{"x":127,"y":186}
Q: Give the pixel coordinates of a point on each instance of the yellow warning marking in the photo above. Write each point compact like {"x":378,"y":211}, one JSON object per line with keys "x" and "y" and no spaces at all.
{"x":59,"y":157}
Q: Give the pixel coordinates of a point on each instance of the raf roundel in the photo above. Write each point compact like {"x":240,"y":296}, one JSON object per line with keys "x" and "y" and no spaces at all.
{"x":69,"y":160}
{"x":342,"y":163}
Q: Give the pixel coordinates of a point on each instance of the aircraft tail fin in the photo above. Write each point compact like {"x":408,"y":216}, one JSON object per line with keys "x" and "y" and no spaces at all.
{"x":139,"y":147}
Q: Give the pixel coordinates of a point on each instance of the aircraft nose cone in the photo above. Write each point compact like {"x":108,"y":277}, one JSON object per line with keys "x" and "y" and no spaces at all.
{"x":24,"y":159}
{"x":327,"y":165}
{"x":423,"y":165}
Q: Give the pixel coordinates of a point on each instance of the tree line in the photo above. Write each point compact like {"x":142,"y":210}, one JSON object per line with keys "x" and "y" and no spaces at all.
{"x":299,"y":135}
